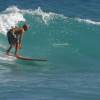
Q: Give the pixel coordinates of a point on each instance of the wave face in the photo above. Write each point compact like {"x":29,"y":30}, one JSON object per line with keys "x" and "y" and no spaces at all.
{"x":71,"y":46}
{"x":49,"y":30}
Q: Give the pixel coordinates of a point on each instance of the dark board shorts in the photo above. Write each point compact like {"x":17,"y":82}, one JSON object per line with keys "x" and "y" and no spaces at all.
{"x":11,"y":38}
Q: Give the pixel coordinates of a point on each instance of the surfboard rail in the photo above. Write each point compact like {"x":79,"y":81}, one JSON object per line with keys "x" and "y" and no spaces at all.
{"x":30,"y":59}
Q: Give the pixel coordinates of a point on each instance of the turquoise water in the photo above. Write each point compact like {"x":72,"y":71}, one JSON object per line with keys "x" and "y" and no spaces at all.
{"x":66,"y":36}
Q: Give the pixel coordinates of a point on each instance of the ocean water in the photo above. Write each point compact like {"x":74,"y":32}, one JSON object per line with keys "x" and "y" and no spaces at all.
{"x":67,"y":33}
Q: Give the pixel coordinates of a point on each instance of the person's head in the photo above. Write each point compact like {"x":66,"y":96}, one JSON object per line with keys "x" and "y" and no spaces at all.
{"x":25,"y":27}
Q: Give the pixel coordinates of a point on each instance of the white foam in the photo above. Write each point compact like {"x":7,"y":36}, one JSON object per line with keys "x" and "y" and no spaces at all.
{"x":88,"y":21}
{"x":10,"y":17}
{"x":45,"y":16}
{"x":5,"y":57}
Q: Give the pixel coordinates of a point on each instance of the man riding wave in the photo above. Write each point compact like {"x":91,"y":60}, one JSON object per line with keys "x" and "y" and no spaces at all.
{"x":14,"y":36}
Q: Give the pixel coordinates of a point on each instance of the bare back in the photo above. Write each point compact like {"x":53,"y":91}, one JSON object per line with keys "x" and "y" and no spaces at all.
{"x":18,"y":31}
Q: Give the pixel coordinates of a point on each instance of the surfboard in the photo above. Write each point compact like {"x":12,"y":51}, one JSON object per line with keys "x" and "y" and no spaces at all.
{"x":24,"y":58}
{"x":27,"y":58}
{"x":30,"y":59}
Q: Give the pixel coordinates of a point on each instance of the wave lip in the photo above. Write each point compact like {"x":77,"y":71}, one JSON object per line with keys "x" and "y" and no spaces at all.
{"x":10,"y":17}
{"x":88,"y":21}
{"x":13,"y":15}
{"x":45,"y":16}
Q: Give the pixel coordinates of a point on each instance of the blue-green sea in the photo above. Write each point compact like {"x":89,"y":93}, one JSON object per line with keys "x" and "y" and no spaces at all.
{"x":67,"y":33}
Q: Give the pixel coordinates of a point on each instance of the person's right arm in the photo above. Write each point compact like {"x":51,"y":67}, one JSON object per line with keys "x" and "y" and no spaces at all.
{"x":20,"y":38}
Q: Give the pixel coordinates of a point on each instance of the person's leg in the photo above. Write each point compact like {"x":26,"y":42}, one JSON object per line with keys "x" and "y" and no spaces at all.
{"x":16,"y":49}
{"x":7,"y":51}
{"x":10,"y":41}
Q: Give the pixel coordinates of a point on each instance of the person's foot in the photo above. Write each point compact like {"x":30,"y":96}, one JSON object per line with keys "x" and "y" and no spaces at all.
{"x":17,"y":56}
{"x":7,"y":53}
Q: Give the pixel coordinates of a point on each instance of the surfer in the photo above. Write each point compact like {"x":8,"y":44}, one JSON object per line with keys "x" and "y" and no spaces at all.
{"x":14,"y":36}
